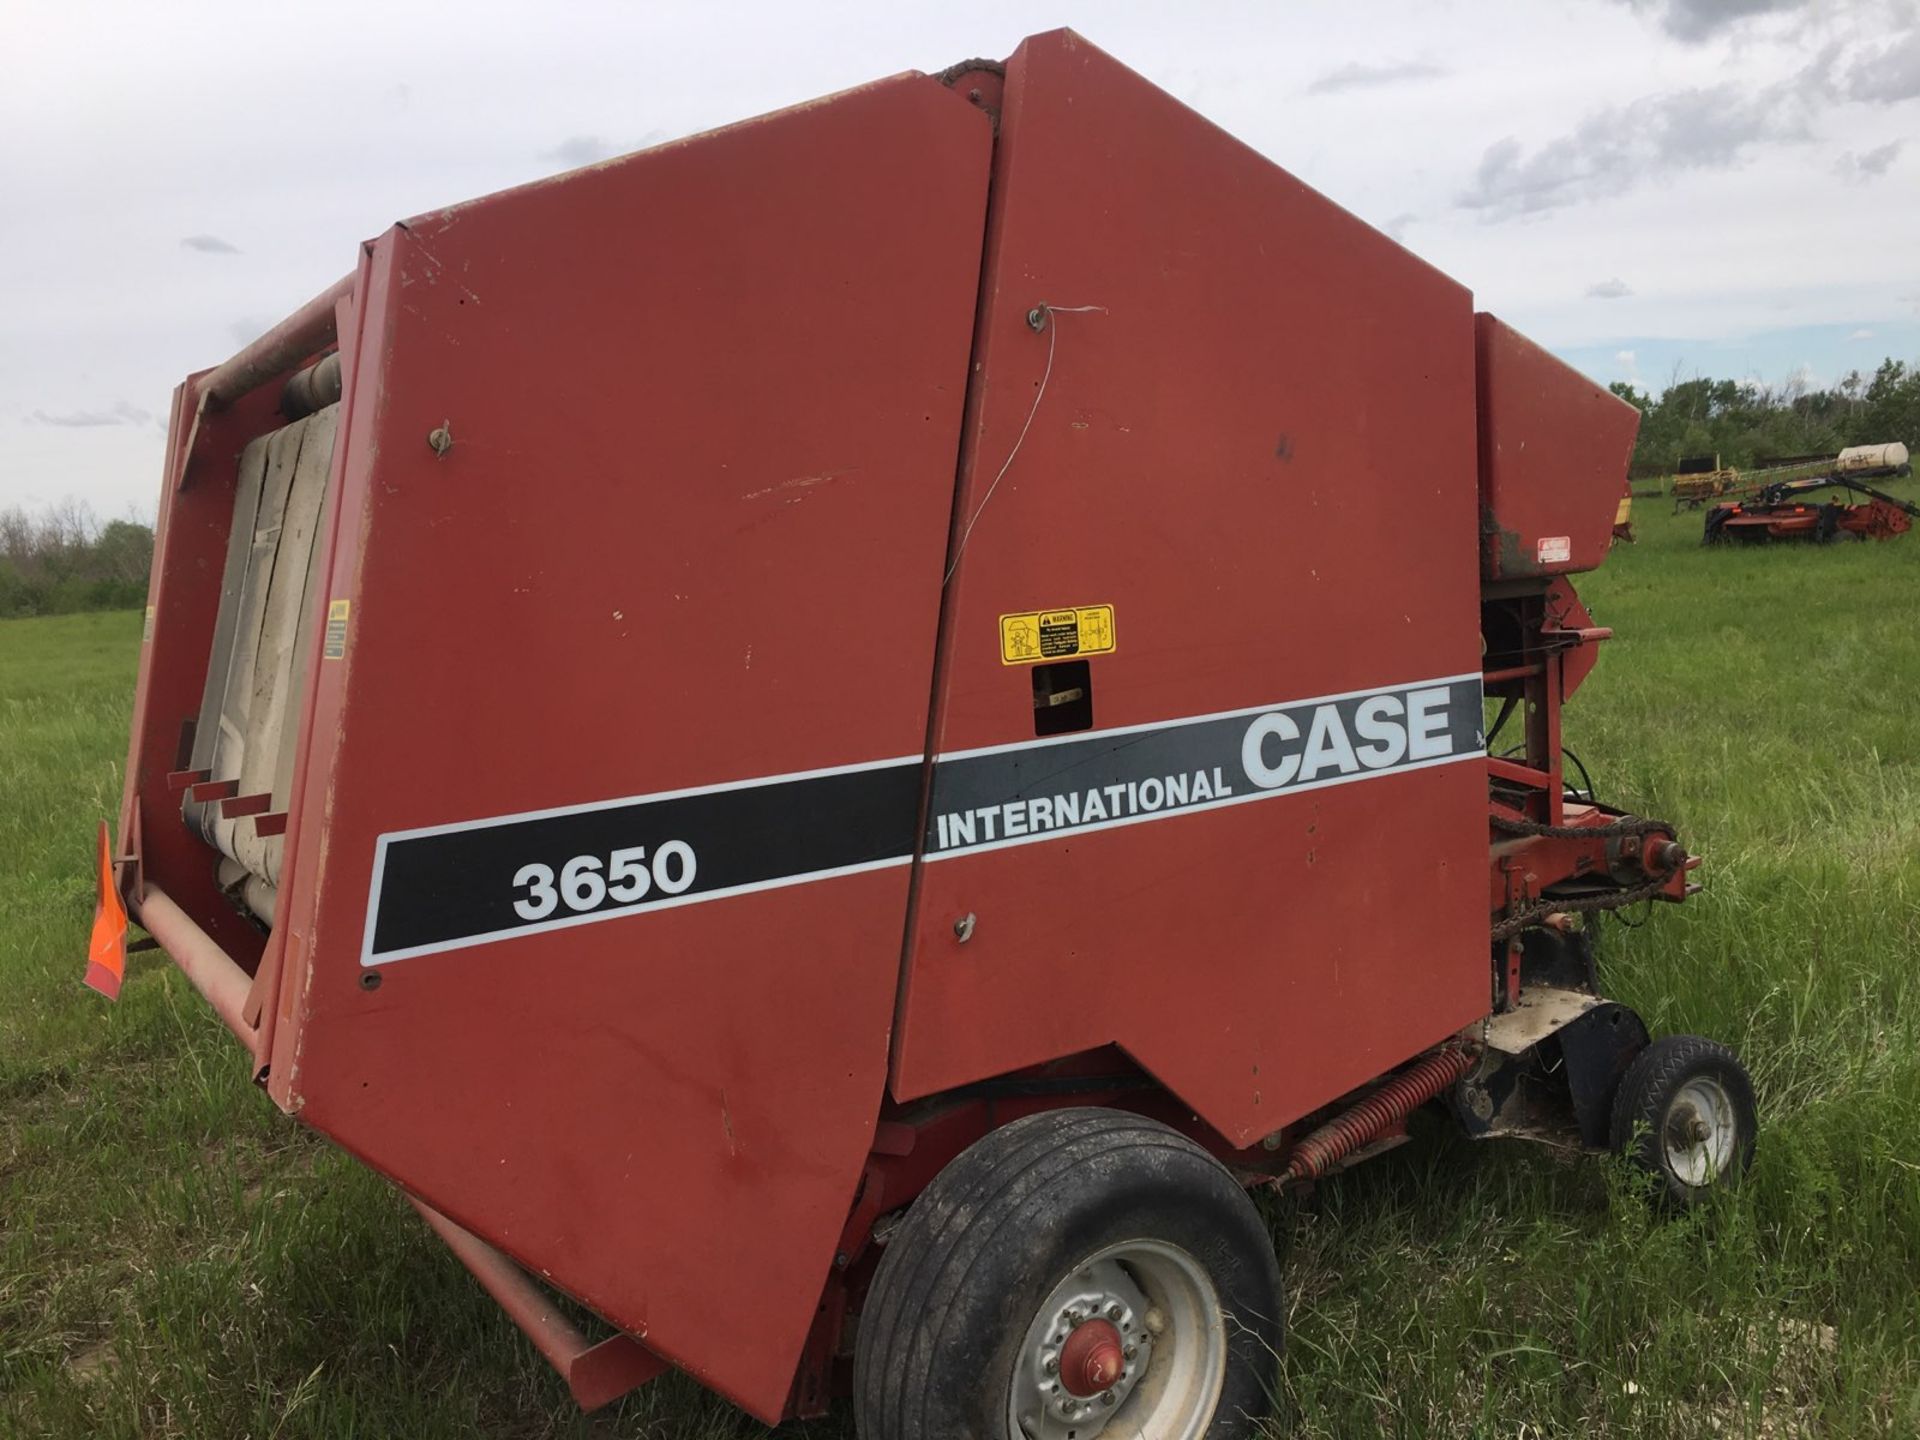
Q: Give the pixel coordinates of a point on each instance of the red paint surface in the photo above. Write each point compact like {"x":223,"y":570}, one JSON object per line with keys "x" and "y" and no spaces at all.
{"x":1554,"y":446}
{"x":1222,"y":456}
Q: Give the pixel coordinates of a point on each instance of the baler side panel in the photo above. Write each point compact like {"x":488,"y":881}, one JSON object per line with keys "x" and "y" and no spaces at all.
{"x":1554,"y":450}
{"x":704,"y":406}
{"x":1221,"y":455}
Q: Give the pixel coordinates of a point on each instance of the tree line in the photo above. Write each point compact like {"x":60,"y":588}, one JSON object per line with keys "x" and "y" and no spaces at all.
{"x":61,"y":559}
{"x":1745,"y":422}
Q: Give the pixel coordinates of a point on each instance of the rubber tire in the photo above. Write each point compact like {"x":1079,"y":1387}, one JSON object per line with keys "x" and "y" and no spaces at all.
{"x":1655,"y":1077}
{"x":1008,"y":1218}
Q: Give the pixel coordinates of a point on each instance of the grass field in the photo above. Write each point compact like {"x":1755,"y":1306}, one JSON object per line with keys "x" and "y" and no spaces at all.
{"x":178,"y":1259}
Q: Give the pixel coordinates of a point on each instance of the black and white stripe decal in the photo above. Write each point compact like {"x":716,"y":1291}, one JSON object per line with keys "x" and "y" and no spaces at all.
{"x":450,"y":886}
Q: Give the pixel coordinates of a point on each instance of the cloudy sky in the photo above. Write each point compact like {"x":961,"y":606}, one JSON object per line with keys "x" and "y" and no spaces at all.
{"x":1650,"y":187}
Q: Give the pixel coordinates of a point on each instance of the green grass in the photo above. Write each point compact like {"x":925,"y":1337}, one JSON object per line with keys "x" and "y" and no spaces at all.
{"x":179,"y":1259}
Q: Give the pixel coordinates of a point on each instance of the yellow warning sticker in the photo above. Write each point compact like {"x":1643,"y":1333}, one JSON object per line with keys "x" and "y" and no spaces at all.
{"x":336,"y":644}
{"x":146,"y":630}
{"x":1037,"y":635}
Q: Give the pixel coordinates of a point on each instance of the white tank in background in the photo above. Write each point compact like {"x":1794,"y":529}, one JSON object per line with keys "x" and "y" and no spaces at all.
{"x":1858,"y":460}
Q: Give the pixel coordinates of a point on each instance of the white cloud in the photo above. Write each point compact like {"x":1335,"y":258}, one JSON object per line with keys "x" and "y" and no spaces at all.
{"x":1355,"y":76}
{"x":1861,"y":335}
{"x":1614,"y":289}
{"x":1865,"y":165}
{"x":1693,"y":21}
{"x":122,"y":412}
{"x":1889,"y":74}
{"x":1615,"y":148}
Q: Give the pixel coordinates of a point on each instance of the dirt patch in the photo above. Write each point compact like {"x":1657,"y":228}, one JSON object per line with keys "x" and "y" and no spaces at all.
{"x":97,"y":1362}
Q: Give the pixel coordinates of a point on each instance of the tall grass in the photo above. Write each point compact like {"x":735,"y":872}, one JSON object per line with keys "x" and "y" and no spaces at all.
{"x":178,"y":1259}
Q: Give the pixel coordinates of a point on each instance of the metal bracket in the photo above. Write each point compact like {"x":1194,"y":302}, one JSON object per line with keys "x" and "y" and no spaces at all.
{"x":597,"y":1373}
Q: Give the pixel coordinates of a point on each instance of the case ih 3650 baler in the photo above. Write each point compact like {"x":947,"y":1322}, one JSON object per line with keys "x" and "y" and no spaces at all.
{"x":831,"y":736}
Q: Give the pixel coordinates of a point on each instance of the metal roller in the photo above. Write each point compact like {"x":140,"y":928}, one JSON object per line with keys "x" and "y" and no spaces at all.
{"x":311,"y":389}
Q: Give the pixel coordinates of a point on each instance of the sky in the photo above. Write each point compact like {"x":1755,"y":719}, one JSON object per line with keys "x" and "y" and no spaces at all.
{"x":1651,"y":188}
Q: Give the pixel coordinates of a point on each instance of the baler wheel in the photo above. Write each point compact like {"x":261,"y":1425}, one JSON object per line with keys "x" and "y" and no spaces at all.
{"x":1073,"y":1273}
{"x":1685,"y":1114}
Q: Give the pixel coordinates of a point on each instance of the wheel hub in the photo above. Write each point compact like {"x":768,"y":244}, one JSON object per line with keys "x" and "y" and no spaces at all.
{"x":1701,"y":1132}
{"x":1084,"y":1354}
{"x":1092,"y":1359}
{"x":1134,"y":1336}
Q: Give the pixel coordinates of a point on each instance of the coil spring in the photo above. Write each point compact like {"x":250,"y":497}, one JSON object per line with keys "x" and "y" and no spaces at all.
{"x":1390,"y":1104}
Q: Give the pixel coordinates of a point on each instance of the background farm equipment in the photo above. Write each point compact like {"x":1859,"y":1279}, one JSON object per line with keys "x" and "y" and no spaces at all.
{"x":1623,"y":517}
{"x":1784,"y":510}
{"x":1699,"y":478}
{"x":1693,"y":491}
{"x":606,"y":759}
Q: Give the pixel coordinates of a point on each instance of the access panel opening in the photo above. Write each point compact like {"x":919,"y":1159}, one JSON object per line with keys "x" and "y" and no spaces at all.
{"x":1062,"y":698}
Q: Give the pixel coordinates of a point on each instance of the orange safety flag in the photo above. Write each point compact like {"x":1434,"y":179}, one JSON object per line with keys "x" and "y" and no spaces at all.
{"x":107,"y":948}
